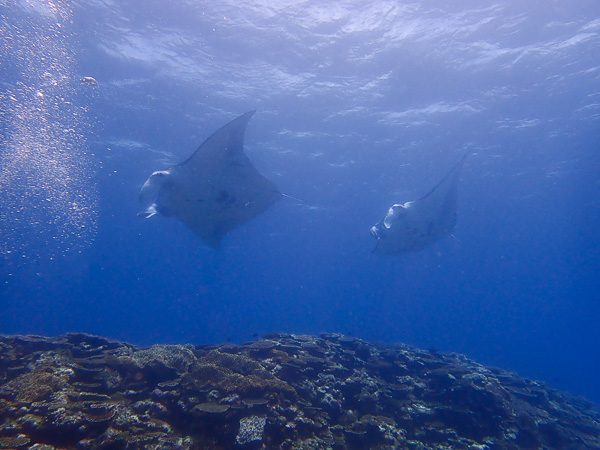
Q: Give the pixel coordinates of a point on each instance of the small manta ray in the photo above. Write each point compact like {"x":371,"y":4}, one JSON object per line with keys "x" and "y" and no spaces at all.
{"x":412,"y":226}
{"x":215,"y":190}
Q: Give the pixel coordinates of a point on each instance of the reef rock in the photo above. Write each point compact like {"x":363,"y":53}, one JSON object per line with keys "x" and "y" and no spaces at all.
{"x":282,"y":391}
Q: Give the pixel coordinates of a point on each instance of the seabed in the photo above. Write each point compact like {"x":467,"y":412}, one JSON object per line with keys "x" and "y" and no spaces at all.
{"x":282,"y":391}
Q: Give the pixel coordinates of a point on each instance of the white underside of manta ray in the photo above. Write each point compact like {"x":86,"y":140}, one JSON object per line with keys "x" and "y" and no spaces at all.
{"x":215,"y":190}
{"x":415,"y":225}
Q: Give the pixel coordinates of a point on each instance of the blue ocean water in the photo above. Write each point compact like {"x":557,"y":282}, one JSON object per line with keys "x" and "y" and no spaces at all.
{"x":361,"y":104}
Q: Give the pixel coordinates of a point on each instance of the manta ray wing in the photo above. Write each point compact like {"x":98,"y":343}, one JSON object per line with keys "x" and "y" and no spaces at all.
{"x":215,"y":190}
{"x":415,"y":225}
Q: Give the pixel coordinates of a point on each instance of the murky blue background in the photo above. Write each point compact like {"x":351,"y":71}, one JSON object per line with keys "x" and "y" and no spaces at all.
{"x":361,"y":104}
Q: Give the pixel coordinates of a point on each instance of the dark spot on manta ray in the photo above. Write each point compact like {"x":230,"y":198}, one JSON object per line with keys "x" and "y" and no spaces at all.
{"x":164,"y":211}
{"x":225,"y":197}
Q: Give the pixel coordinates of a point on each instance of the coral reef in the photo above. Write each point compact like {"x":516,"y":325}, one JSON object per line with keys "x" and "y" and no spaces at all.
{"x":281,"y":391}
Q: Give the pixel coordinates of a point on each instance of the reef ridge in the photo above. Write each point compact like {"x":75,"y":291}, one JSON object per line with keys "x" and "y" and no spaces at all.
{"x":281,"y":391}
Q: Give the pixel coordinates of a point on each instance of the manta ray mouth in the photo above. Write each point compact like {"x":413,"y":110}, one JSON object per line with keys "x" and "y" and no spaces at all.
{"x":374,"y":232}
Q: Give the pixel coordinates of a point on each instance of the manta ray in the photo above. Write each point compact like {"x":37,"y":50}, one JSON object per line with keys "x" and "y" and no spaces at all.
{"x":215,"y":190}
{"x":413,"y":226}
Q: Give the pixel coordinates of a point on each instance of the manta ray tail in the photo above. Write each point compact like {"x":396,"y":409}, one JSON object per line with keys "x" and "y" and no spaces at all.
{"x":293,"y":198}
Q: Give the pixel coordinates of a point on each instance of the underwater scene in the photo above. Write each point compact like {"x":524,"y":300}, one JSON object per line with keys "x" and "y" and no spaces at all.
{"x":299,"y":224}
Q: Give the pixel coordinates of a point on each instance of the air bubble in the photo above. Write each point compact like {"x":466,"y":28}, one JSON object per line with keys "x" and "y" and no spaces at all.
{"x":45,"y":170}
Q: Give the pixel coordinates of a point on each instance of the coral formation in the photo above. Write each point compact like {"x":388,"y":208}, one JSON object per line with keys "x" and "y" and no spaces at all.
{"x":251,"y":429}
{"x":281,"y":391}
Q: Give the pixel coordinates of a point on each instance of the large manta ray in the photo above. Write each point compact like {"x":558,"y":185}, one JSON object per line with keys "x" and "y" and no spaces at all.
{"x":412,"y":226}
{"x":213,"y":191}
